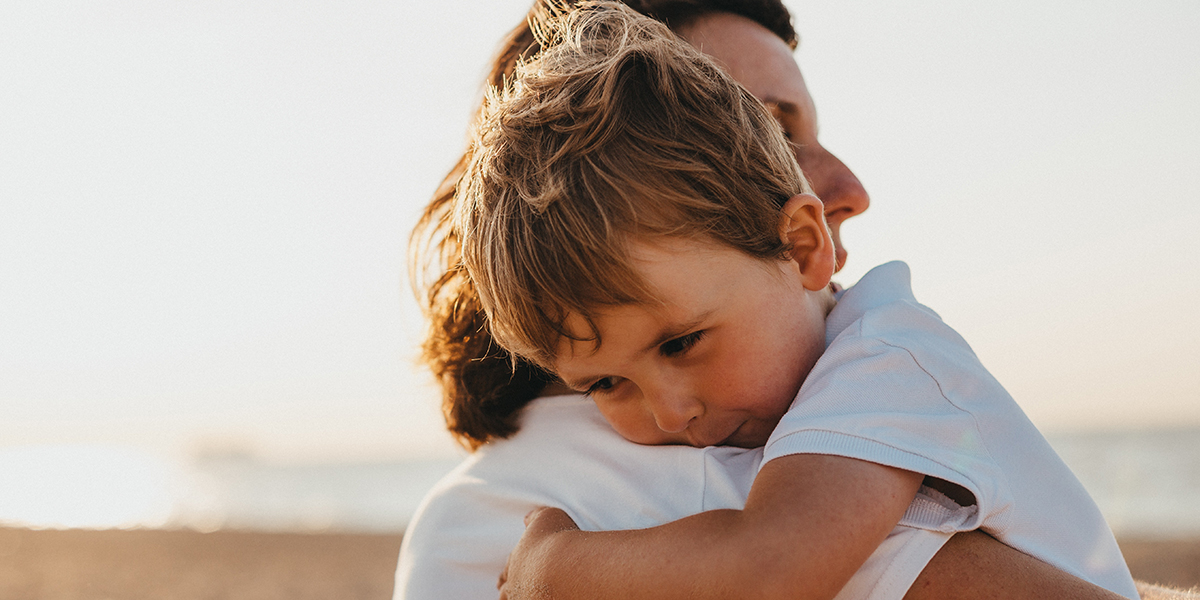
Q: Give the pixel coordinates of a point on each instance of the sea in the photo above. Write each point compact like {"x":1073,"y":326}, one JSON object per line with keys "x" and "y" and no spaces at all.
{"x":1147,"y":484}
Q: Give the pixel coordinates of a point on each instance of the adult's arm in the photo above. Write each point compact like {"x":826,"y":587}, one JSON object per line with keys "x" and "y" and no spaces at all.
{"x":974,"y":566}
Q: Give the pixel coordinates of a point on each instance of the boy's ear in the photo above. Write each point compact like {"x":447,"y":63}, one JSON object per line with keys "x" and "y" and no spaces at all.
{"x":803,"y":228}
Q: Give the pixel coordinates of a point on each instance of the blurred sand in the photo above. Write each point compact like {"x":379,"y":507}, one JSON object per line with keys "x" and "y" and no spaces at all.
{"x":186,"y":565}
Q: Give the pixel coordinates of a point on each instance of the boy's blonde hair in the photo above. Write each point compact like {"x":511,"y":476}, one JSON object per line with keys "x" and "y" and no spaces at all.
{"x":616,"y":129}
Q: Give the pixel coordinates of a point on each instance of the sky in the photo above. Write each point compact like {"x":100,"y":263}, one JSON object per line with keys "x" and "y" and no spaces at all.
{"x":204,"y":206}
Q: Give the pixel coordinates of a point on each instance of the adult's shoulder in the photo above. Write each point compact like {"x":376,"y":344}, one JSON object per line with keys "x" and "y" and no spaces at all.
{"x":458,"y":540}
{"x":565,"y":454}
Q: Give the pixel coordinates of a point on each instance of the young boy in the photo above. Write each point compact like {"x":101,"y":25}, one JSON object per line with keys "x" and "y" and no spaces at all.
{"x":635,"y":223}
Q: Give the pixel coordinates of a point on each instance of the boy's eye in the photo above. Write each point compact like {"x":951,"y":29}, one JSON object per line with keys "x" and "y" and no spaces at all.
{"x":680,"y":344}
{"x":600,"y":386}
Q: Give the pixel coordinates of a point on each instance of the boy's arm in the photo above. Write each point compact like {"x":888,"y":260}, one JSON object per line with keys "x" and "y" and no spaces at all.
{"x":809,"y":523}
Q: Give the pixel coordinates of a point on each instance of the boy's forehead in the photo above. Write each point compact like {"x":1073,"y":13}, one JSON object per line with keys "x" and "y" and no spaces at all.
{"x":688,"y":282}
{"x":585,"y":334}
{"x":578,"y":339}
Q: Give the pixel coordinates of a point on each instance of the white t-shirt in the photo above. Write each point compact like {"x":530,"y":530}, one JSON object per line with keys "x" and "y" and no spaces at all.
{"x":897,"y":386}
{"x":566,"y":455}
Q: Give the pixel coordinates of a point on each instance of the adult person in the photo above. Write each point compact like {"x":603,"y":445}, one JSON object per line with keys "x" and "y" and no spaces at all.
{"x":566,"y":455}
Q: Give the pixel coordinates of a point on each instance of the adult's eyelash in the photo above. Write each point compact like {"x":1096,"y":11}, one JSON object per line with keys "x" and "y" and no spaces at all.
{"x":681,"y":344}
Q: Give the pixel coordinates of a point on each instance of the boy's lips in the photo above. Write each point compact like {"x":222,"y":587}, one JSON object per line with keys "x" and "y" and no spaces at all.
{"x":703,"y":440}
{"x":729,"y":440}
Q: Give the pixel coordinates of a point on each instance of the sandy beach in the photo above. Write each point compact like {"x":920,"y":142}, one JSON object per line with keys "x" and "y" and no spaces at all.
{"x":187,"y":565}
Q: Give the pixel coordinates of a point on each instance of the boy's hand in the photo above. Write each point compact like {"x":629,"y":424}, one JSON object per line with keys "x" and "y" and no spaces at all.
{"x":520,"y":577}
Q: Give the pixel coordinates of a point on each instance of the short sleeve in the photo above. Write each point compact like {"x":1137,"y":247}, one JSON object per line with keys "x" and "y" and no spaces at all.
{"x":872,"y":400}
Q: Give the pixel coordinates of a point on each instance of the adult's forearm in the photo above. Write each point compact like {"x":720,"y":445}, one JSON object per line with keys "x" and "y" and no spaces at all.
{"x":974,"y":566}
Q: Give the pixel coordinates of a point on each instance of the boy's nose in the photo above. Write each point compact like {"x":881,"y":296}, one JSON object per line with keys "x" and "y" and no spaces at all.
{"x":673,"y":411}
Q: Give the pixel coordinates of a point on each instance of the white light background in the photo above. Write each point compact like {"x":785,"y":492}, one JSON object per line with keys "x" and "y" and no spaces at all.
{"x":205,"y":206}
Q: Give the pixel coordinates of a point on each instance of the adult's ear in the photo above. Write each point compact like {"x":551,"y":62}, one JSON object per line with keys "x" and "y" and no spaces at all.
{"x":803,"y":228}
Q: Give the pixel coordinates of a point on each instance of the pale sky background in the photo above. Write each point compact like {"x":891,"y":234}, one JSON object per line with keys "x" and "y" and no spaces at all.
{"x":205,"y":205}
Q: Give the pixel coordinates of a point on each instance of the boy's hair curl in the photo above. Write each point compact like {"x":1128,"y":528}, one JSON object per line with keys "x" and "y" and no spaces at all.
{"x":616,"y":129}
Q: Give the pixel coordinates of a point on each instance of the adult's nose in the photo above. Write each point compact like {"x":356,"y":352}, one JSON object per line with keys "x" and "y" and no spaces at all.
{"x":840,"y":190}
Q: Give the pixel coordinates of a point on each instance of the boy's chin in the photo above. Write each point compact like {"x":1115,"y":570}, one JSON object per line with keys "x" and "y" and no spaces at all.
{"x":749,"y":434}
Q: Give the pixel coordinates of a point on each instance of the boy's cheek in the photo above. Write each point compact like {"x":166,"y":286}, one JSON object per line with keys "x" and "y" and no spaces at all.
{"x":648,"y":434}
{"x":632,"y":423}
